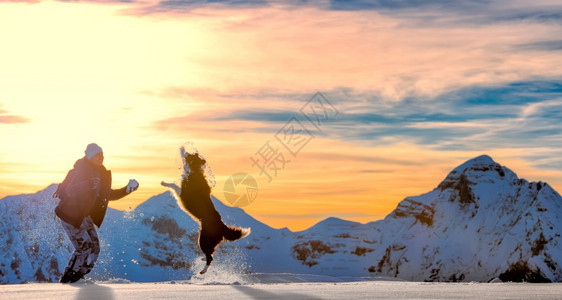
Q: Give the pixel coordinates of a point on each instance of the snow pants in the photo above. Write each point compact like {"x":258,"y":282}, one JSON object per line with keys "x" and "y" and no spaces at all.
{"x":86,"y":246}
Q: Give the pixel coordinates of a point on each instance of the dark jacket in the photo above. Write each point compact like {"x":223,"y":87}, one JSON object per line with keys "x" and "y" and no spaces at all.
{"x":80,"y":199}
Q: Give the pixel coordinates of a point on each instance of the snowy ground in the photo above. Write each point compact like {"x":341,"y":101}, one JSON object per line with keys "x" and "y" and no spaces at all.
{"x":291,"y":290}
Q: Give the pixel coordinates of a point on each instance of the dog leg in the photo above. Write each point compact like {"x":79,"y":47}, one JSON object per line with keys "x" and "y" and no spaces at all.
{"x":207,"y":243}
{"x":174,"y":187}
{"x":204,"y":269}
{"x":209,"y":259}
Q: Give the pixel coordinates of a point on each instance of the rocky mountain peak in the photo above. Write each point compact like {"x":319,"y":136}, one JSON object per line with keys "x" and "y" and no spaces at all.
{"x":481,"y":169}
{"x":479,"y":164}
{"x":482,"y":160}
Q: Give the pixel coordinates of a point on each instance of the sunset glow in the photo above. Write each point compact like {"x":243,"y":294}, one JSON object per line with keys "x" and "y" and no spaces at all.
{"x":418,"y":90}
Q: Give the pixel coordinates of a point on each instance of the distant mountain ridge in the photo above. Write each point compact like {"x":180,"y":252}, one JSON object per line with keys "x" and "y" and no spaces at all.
{"x":481,"y":222}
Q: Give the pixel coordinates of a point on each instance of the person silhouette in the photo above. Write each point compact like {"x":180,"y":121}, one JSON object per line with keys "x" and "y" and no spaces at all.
{"x":83,"y":195}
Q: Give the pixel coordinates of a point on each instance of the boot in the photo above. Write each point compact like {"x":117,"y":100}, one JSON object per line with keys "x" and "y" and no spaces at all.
{"x":71,"y":277}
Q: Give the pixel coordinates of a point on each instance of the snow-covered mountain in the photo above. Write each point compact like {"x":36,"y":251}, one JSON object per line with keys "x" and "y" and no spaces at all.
{"x":479,"y":223}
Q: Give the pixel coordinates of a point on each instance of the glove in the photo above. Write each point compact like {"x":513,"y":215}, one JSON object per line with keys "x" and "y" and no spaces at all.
{"x":132,"y":186}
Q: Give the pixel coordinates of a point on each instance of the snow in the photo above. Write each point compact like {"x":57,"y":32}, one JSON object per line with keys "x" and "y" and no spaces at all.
{"x":307,"y":290}
{"x":478,"y":223}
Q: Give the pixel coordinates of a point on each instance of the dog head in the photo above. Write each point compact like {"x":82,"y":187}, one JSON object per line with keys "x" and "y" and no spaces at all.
{"x":194,"y":161}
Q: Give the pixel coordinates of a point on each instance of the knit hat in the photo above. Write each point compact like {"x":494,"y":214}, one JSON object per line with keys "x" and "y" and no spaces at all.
{"x":92,"y":150}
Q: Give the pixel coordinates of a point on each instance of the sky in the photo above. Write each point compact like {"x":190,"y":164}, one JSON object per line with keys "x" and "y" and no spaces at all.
{"x":354,"y":105}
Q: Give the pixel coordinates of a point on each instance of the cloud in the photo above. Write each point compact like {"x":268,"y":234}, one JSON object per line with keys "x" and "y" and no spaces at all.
{"x":512,"y":115}
{"x":516,"y":115}
{"x":279,"y":116}
{"x":189,"y":6}
{"x":7,"y":118}
{"x":237,"y":3}
{"x":541,"y":14}
{"x":514,"y":93}
{"x":272,"y":48}
{"x":363,"y":158}
{"x":425,"y":11}
{"x":398,"y":4}
{"x":548,"y":45}
{"x":21,"y":1}
{"x":83,"y":1}
{"x":391,"y":67}
{"x":475,"y":12}
{"x":197,"y":125}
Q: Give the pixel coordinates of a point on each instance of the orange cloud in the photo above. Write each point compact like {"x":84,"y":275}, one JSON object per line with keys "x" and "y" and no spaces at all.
{"x":7,"y":118}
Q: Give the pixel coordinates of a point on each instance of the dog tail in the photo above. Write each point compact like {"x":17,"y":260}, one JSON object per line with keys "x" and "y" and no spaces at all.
{"x":234,"y":233}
